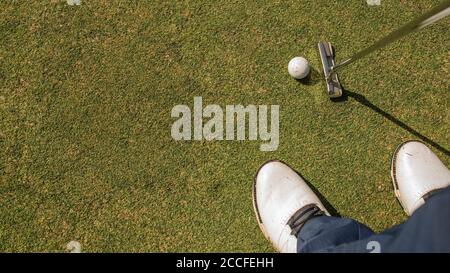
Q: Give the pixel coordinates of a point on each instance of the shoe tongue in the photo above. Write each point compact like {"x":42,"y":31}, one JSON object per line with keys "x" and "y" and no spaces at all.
{"x":298,"y":220}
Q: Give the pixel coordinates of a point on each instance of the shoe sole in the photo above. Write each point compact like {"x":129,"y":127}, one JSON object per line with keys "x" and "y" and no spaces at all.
{"x":393,"y":176}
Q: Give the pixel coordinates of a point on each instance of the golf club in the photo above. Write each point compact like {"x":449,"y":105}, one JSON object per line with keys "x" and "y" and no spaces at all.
{"x":334,"y":88}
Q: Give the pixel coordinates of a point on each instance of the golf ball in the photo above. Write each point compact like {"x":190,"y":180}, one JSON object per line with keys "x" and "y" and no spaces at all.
{"x":298,"y":68}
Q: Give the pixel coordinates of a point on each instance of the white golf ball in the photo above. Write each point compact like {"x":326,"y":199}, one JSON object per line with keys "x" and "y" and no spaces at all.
{"x":298,"y":68}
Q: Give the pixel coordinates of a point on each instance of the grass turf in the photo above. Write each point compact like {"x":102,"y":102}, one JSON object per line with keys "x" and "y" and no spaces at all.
{"x":85,"y":100}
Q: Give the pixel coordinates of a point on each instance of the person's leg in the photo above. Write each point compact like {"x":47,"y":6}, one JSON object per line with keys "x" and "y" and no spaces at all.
{"x":286,"y":208}
{"x":418,"y":177}
{"x":284,"y":205}
{"x":427,"y":230}
{"x":327,"y":232}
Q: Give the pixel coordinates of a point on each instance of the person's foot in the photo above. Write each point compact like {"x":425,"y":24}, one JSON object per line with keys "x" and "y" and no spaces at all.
{"x":417,"y":173}
{"x":283,"y":202}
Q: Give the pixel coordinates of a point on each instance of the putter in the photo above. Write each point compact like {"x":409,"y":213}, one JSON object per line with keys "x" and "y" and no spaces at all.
{"x":334,"y":88}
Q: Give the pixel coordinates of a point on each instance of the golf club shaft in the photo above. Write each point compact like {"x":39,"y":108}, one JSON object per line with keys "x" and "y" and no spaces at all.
{"x":439,"y":12}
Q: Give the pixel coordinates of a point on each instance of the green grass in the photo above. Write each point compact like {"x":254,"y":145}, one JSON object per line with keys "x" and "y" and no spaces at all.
{"x":86,"y":93}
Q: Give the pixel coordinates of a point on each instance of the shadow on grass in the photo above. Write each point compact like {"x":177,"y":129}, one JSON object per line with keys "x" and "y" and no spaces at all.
{"x":324,"y":201}
{"x":312,"y":78}
{"x":362,"y":100}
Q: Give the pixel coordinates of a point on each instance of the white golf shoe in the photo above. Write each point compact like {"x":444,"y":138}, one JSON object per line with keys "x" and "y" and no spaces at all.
{"x":417,"y":173}
{"x":283,"y":202}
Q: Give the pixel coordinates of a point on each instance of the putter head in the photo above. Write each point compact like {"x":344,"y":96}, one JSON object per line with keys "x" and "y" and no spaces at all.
{"x":334,"y":88}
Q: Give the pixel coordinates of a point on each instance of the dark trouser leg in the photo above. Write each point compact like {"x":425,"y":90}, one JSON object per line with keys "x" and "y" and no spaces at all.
{"x":325,"y":232}
{"x":427,"y":230}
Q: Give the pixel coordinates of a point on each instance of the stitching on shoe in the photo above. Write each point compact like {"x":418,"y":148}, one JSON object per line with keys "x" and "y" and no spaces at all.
{"x":394,"y":160}
{"x":394,"y":170}
{"x":255,"y":204}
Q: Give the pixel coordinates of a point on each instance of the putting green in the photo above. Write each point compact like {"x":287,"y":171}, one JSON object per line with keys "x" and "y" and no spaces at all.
{"x":86,"y":93}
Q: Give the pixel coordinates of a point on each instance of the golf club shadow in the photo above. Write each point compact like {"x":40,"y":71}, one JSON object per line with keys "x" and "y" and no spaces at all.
{"x":324,"y":201}
{"x":312,"y":78}
{"x":362,"y":100}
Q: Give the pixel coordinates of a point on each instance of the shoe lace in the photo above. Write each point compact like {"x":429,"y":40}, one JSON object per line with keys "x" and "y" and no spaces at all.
{"x":301,"y":216}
